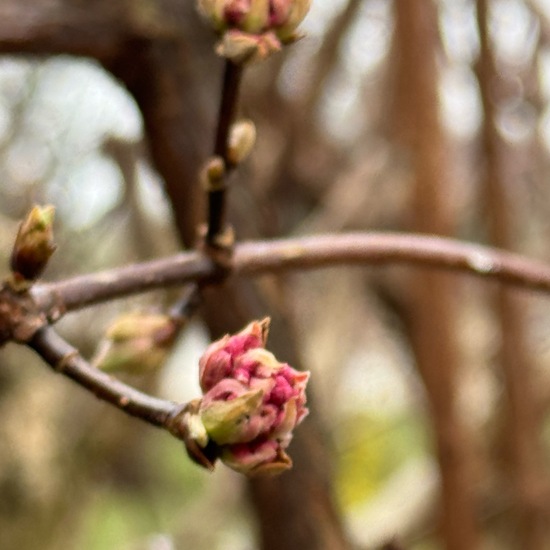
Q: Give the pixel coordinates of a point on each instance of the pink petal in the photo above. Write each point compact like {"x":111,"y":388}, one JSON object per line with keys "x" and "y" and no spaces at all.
{"x":244,"y":457}
{"x":282,"y":391}
{"x":226,"y":390}
{"x":214,"y":364}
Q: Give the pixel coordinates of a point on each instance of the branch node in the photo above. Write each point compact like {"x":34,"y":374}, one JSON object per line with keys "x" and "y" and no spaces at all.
{"x":61,"y":365}
{"x":219,"y":248}
{"x":20,"y":317}
{"x":179,"y":424}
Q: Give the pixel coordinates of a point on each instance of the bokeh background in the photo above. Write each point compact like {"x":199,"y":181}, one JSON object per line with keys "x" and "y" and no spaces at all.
{"x":430,"y":392}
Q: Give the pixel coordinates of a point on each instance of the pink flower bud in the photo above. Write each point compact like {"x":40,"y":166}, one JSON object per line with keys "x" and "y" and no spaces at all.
{"x":253,"y":29}
{"x":252,"y":403}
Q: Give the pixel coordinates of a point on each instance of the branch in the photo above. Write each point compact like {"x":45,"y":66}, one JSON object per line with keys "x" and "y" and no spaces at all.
{"x":257,"y":258}
{"x":69,"y":29}
{"x":86,"y":290}
{"x":63,"y":358}
{"x":226,"y":116}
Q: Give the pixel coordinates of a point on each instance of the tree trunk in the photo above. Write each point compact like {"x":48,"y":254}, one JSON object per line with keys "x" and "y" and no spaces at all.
{"x":431,"y":311}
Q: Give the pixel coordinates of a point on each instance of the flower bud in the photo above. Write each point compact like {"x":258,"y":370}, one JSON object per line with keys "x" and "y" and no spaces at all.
{"x":34,"y":244}
{"x":212,"y":174}
{"x":136,"y":343}
{"x":253,"y":29}
{"x":242,"y":138}
{"x":251,"y":402}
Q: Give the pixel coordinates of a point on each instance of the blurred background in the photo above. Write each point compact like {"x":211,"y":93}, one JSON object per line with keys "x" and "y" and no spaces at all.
{"x":430,"y":393}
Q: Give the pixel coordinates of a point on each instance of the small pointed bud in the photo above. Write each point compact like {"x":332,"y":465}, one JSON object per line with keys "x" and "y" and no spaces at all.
{"x":197,"y":431}
{"x":137,"y":343}
{"x":242,"y":138}
{"x":212,"y":175}
{"x":34,"y":244}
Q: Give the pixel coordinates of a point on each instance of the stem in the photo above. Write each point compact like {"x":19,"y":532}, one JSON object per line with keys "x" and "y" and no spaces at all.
{"x":226,"y":116}
{"x":63,"y":358}
{"x":184,"y":308}
{"x":260,"y":257}
{"x":87,"y":290}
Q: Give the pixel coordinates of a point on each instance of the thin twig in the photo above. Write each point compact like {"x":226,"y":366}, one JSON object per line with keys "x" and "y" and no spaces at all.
{"x":63,"y":358}
{"x":257,"y":258}
{"x":184,"y":308}
{"x":226,"y":116}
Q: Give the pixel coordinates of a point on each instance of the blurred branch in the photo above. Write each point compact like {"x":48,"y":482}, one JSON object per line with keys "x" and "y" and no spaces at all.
{"x":256,"y":258}
{"x":328,"y":57}
{"x":430,"y":318}
{"x":45,"y":29}
{"x":70,"y":27}
{"x":527,"y":468}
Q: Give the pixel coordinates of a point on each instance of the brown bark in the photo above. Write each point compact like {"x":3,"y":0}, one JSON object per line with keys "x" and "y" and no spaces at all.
{"x":522,"y":433}
{"x":432,"y":311}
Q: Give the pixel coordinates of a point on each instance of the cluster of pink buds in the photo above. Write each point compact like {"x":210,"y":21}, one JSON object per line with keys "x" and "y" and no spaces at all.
{"x":251,"y":402}
{"x":253,"y":29}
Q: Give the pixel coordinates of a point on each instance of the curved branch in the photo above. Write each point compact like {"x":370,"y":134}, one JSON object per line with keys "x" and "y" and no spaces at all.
{"x":376,"y":248}
{"x":63,"y":358}
{"x":257,"y":258}
{"x":85,"y":290}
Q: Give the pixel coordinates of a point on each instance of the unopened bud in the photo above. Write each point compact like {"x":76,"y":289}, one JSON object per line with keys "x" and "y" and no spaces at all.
{"x":242,"y":138}
{"x":137,"y":343}
{"x":253,"y":29}
{"x":251,"y":402}
{"x":34,"y":244}
{"x":213,"y":174}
